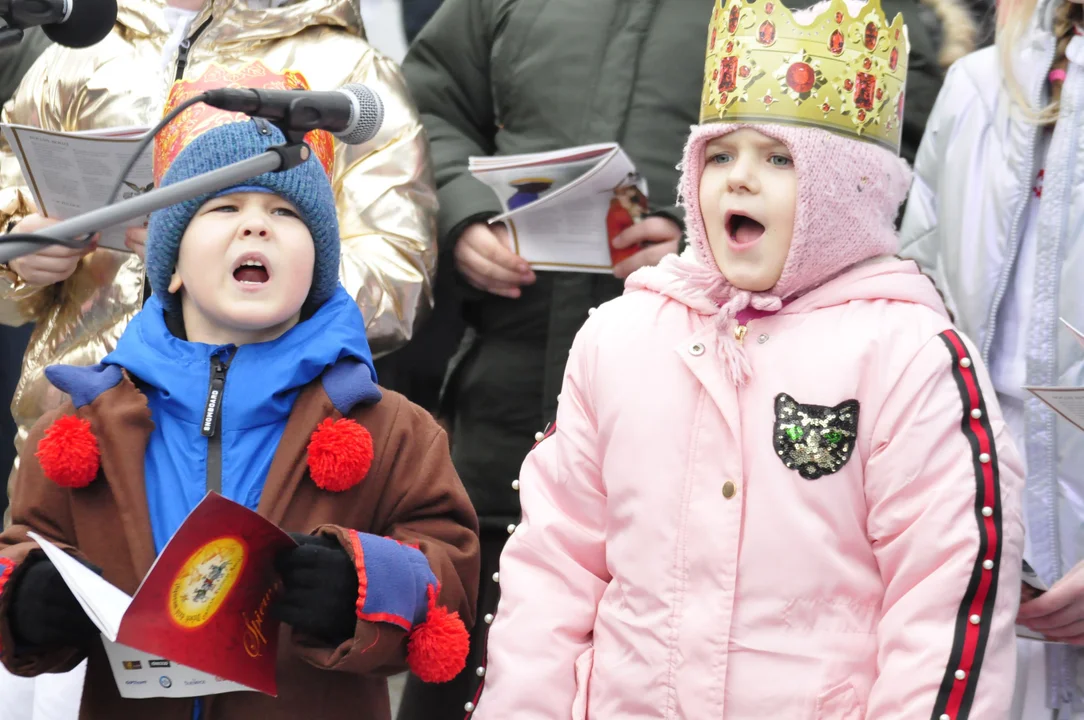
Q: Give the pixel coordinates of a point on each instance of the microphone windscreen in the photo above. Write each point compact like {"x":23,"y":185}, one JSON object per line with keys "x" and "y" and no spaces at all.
{"x":369,"y":118}
{"x":90,"y":21}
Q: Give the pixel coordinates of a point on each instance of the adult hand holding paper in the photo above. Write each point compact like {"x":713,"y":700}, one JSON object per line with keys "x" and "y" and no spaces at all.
{"x":1058,"y":613}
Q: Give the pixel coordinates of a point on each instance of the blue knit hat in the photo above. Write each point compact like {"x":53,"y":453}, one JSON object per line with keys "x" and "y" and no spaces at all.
{"x":306,"y":186}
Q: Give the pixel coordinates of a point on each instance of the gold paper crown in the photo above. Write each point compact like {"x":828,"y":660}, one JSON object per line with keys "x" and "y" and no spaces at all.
{"x":840,"y":73}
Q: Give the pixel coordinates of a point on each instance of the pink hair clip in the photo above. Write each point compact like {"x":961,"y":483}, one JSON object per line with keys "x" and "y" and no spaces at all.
{"x":1057,"y":75}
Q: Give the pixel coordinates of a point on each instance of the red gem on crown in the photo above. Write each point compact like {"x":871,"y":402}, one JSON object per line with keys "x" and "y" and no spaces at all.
{"x":732,"y":23}
{"x":728,"y":70}
{"x":835,"y":43}
{"x":766,"y":33}
{"x":839,"y":18}
{"x":744,"y":71}
{"x":871,"y":36}
{"x":867,"y":63}
{"x":769,"y":8}
{"x":863,"y":94}
{"x":894,"y":58}
{"x":801,"y":77}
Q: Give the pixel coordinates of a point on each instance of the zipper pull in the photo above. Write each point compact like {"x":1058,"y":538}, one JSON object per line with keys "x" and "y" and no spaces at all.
{"x":186,"y":47}
{"x":182,"y":58}
{"x":213,"y":409}
{"x":739,"y":334}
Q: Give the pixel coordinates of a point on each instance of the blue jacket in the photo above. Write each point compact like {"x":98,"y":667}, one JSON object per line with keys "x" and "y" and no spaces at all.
{"x":259,"y":389}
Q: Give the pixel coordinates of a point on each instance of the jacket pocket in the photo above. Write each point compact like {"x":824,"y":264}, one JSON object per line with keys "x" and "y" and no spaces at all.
{"x":584,"y":663}
{"x":839,"y":703}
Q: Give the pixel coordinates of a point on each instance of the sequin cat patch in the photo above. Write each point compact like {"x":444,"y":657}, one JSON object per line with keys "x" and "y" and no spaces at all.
{"x":815,"y":440}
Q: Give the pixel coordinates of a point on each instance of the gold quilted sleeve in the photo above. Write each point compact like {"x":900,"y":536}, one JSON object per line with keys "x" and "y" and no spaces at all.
{"x":387,"y":205}
{"x":19,"y":302}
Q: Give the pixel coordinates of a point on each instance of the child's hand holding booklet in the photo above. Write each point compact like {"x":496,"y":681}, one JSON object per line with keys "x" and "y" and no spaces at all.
{"x":199,"y":624}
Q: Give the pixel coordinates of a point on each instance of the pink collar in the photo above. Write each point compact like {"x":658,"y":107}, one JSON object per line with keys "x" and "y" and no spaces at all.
{"x":751,"y":313}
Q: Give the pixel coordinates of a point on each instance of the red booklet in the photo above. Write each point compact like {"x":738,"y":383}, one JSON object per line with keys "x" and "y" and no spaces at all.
{"x":204,"y":607}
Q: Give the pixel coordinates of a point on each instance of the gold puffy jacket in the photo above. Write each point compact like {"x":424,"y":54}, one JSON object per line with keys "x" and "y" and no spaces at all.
{"x":384,"y":188}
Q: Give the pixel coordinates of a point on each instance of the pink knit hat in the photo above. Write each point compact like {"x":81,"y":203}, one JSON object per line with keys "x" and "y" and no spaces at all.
{"x":849,"y":193}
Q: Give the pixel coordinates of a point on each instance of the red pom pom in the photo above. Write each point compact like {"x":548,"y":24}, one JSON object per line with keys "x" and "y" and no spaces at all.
{"x":340,"y":454}
{"x":437,"y":649}
{"x":68,"y":453}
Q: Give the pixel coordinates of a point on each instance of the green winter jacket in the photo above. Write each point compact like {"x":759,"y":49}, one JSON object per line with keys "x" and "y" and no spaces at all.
{"x":498,"y":77}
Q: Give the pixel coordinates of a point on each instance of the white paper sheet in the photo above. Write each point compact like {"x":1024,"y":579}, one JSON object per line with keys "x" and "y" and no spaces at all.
{"x":103,"y":603}
{"x":72,"y":173}
{"x":1065,"y":401}
{"x":564,"y":227}
{"x":1076,"y":333}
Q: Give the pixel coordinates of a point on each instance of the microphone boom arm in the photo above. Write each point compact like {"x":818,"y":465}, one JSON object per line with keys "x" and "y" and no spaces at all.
{"x":275,"y":159}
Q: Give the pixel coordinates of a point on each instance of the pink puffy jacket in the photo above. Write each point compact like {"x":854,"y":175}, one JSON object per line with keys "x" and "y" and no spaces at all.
{"x":839,"y":539}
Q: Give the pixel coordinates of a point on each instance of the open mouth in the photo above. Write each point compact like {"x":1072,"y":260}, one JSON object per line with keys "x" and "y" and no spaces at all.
{"x":252,"y":270}
{"x":742,"y":229}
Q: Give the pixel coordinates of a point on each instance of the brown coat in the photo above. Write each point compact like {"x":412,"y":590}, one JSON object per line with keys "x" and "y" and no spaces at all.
{"x":412,"y":494}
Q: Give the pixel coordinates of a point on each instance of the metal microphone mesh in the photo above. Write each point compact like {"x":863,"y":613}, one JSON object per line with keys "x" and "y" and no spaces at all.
{"x":367,"y":118}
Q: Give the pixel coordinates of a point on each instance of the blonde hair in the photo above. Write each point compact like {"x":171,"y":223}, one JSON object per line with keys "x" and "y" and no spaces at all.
{"x":1013,"y":20}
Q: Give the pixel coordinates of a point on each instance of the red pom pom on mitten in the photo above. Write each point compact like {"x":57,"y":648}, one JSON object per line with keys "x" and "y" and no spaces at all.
{"x":340,"y":454}
{"x":68,"y":453}
{"x":437,"y":648}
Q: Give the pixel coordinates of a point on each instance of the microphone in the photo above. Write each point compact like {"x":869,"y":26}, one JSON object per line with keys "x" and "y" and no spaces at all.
{"x":71,"y":23}
{"x":353,"y":113}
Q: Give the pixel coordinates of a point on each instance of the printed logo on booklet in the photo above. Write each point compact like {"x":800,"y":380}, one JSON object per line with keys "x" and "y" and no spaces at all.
{"x":205,"y":581}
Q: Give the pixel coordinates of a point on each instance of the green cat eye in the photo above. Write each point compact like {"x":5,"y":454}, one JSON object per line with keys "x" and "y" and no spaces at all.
{"x":833,"y":436}
{"x":795,"y":433}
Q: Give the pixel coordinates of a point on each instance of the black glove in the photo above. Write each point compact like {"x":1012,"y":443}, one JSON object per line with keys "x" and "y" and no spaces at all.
{"x":44,"y":613}
{"x":320,"y":589}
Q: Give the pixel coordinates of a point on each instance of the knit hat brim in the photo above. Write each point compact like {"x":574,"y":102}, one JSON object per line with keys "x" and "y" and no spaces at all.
{"x":306,"y":186}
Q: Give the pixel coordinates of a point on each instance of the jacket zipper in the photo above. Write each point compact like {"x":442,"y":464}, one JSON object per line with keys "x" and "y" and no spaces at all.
{"x":1056,"y":681}
{"x":212,"y":419}
{"x":1014,"y":232}
{"x":186,"y":47}
{"x":1067,"y":692}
